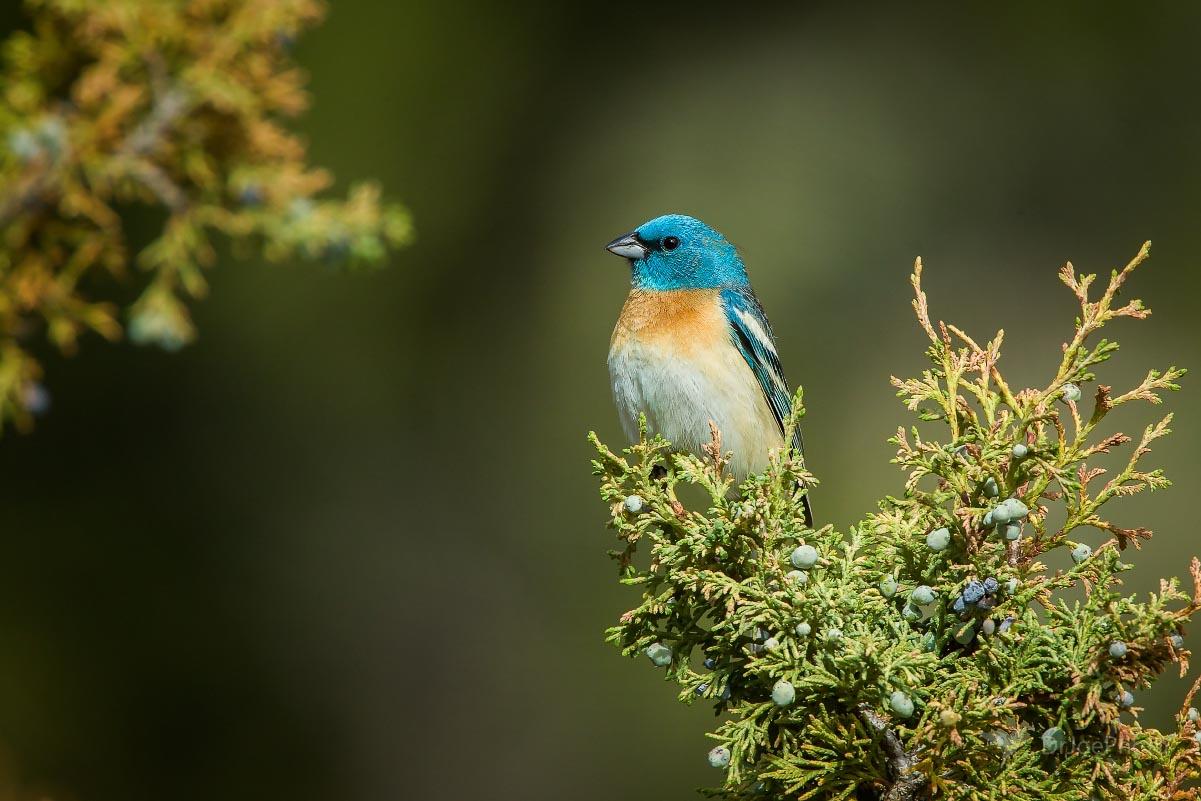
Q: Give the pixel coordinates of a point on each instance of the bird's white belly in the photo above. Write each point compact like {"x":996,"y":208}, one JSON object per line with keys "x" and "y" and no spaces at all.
{"x":680,"y":391}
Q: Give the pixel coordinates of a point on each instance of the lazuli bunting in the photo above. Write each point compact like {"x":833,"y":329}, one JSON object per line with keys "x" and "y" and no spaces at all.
{"x":692,"y":345}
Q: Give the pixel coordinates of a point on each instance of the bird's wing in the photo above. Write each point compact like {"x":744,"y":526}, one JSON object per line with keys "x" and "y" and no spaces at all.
{"x":751,"y":334}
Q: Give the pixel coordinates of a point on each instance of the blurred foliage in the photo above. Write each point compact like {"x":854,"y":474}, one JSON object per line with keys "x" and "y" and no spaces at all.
{"x":930,"y":651}
{"x":107,"y":105}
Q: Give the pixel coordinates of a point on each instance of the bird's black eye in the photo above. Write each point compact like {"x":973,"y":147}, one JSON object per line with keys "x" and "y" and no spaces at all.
{"x":670,"y":243}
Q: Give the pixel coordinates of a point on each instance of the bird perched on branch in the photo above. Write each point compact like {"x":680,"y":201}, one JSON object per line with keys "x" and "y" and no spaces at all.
{"x":692,"y":345}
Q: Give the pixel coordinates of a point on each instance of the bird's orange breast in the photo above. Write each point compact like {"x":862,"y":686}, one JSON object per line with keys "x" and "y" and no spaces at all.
{"x":678,"y":321}
{"x":672,"y":361}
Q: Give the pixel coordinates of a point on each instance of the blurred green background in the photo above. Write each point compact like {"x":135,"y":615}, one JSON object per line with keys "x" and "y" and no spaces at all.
{"x":212,"y":583}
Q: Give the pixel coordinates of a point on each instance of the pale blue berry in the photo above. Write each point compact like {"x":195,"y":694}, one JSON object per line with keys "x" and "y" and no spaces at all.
{"x":1000,"y":514}
{"x":1054,"y":739}
{"x":929,"y":641}
{"x":988,"y":627}
{"x":1071,"y":392}
{"x":804,"y":557}
{"x":1012,"y":531}
{"x":1016,"y":509}
{"x":990,"y":488}
{"x":1194,"y":715}
{"x":771,"y":644}
{"x":24,"y":145}
{"x":911,"y":613}
{"x":799,"y":577}
{"x":719,"y":757}
{"x":900,"y":703}
{"x":966,"y":634}
{"x":990,"y":585}
{"x":959,"y":606}
{"x":938,"y":539}
{"x":888,"y":586}
{"x":1197,"y":738}
{"x":710,"y":663}
{"x":1126,"y":699}
{"x":1081,"y":553}
{"x":1011,"y":586}
{"x":988,"y":520}
{"x":659,"y":653}
{"x":803,"y":629}
{"x":1177,"y":641}
{"x":1117,"y":649}
{"x":36,"y":398}
{"x":633,"y":504}
{"x":923,"y":596}
{"x":783,"y":693}
{"x":833,"y":635}
{"x":1020,"y":451}
{"x":159,"y":321}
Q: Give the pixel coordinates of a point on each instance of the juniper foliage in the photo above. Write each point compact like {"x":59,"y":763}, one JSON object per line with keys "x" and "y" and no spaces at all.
{"x":178,"y":106}
{"x":929,"y":651}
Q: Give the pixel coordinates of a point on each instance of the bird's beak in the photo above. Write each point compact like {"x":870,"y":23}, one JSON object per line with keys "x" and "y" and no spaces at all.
{"x":628,"y":247}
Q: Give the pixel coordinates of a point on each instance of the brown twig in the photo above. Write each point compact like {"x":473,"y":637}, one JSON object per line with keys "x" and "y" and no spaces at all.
{"x":30,"y":193}
{"x":905,"y":782}
{"x":713,"y":450}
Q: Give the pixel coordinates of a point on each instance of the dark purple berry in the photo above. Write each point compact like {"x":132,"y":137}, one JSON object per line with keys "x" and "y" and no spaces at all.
{"x":973,"y":592}
{"x":251,"y":195}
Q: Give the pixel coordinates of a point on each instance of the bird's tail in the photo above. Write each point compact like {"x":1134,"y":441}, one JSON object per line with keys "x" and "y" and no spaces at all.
{"x":809,"y":520}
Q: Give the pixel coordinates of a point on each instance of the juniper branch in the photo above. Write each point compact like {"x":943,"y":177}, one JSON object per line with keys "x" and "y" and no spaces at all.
{"x":179,"y":105}
{"x":932,"y":621}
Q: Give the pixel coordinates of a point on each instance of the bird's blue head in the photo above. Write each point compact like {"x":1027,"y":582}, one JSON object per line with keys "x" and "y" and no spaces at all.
{"x":679,"y":252}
